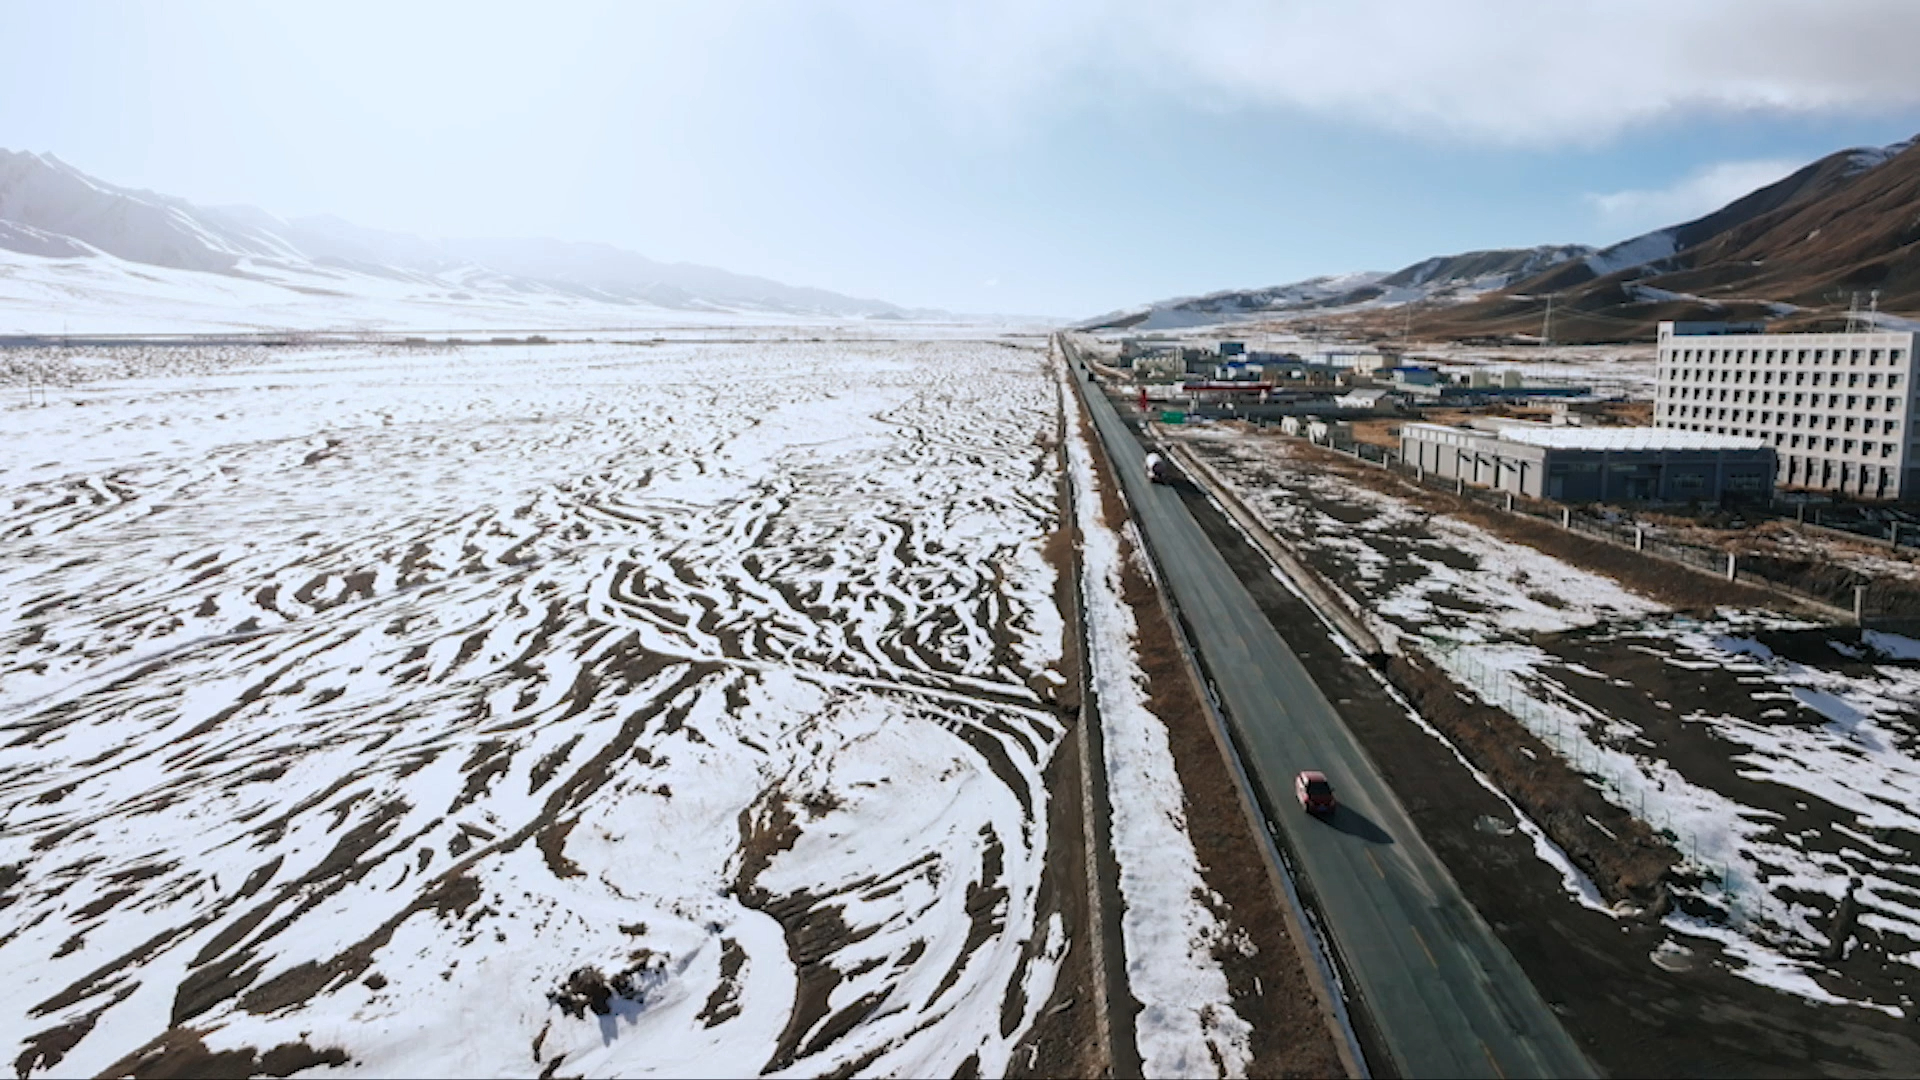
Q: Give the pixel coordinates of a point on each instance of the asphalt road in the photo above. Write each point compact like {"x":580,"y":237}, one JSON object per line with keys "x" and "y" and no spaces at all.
{"x":1445,"y":995}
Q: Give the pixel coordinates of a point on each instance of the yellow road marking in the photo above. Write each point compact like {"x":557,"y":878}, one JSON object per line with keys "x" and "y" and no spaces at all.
{"x":1492,"y":1064}
{"x":1376,"y":865}
{"x":1423,"y":946}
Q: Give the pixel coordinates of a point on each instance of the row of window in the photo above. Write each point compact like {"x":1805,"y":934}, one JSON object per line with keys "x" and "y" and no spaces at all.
{"x":1850,"y":402}
{"x":1830,"y":444}
{"x":1849,"y":357}
{"x":1811,"y":472}
{"x":1768,"y":418}
{"x":1669,"y":375}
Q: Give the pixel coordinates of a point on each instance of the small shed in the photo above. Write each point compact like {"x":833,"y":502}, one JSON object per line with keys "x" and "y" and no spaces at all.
{"x":1368,"y":399}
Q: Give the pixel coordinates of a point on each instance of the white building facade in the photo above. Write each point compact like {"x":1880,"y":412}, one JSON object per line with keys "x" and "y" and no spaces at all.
{"x":1838,"y":409}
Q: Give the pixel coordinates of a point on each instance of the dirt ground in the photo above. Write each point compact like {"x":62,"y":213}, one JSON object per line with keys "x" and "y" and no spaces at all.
{"x":1631,"y":1017}
{"x":1270,"y":987}
{"x":1071,"y":1038}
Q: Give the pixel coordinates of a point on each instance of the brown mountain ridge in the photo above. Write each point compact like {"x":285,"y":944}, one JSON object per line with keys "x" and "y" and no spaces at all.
{"x":1794,"y":253}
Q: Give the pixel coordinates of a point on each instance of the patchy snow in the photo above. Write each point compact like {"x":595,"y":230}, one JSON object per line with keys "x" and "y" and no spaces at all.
{"x":1827,"y":744}
{"x":1657,"y":295}
{"x":1643,"y":249}
{"x":1883,"y":321}
{"x":364,"y":695}
{"x":1628,"y":371}
{"x":1187,"y":1025}
{"x":1873,"y":157}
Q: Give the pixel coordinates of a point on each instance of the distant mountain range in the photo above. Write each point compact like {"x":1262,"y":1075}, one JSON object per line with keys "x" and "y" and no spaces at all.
{"x":1794,"y":252}
{"x":101,"y":257}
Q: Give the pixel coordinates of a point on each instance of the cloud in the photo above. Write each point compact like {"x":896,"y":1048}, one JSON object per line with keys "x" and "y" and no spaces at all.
{"x":1700,"y":192}
{"x":1502,"y":72}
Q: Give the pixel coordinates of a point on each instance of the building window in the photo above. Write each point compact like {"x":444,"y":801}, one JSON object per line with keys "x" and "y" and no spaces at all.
{"x":1893,"y":382}
{"x":1873,"y":358}
{"x":1846,"y":446}
{"x":1886,"y":449}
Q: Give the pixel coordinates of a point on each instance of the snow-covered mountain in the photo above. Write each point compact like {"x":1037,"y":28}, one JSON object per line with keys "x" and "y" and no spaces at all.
{"x":77,"y":253}
{"x":1445,"y":279}
{"x":1234,"y":305}
{"x":1795,"y":249}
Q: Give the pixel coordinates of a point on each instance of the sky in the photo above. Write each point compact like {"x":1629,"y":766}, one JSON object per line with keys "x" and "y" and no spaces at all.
{"x":1065,"y":158}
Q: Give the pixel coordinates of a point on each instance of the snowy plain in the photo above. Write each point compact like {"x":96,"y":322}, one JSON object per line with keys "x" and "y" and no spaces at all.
{"x":360,"y":697}
{"x":102,"y":294}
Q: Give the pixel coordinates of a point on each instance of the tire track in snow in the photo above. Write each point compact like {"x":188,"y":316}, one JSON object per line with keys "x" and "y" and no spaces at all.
{"x":473,"y":680}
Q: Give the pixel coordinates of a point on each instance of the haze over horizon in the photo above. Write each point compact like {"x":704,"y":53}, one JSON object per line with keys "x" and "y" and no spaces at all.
{"x":1064,"y":161}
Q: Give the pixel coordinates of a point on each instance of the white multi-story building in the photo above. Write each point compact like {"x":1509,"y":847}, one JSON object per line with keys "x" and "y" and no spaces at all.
{"x":1838,"y":409}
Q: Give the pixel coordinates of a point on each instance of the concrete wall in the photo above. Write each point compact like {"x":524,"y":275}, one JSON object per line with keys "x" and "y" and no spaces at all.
{"x":1567,"y":475}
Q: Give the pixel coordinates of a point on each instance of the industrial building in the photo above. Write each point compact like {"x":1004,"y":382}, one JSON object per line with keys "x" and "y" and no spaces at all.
{"x":1570,"y":464}
{"x":1837,"y":408}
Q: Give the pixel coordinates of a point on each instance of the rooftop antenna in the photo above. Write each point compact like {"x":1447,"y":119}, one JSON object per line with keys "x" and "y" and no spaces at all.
{"x":1873,"y":310}
{"x":1853,"y":311}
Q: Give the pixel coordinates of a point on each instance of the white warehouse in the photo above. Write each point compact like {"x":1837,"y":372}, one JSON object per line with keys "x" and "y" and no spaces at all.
{"x":1836,"y":408}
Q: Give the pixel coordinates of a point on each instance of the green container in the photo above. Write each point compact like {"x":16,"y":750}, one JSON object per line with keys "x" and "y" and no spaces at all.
{"x":1172,"y":416}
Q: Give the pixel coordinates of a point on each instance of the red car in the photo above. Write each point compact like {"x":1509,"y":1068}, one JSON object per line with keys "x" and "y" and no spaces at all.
{"x":1314,"y":793}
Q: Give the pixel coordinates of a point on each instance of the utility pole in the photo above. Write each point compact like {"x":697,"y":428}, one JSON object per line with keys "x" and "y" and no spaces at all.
{"x":1873,"y":310}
